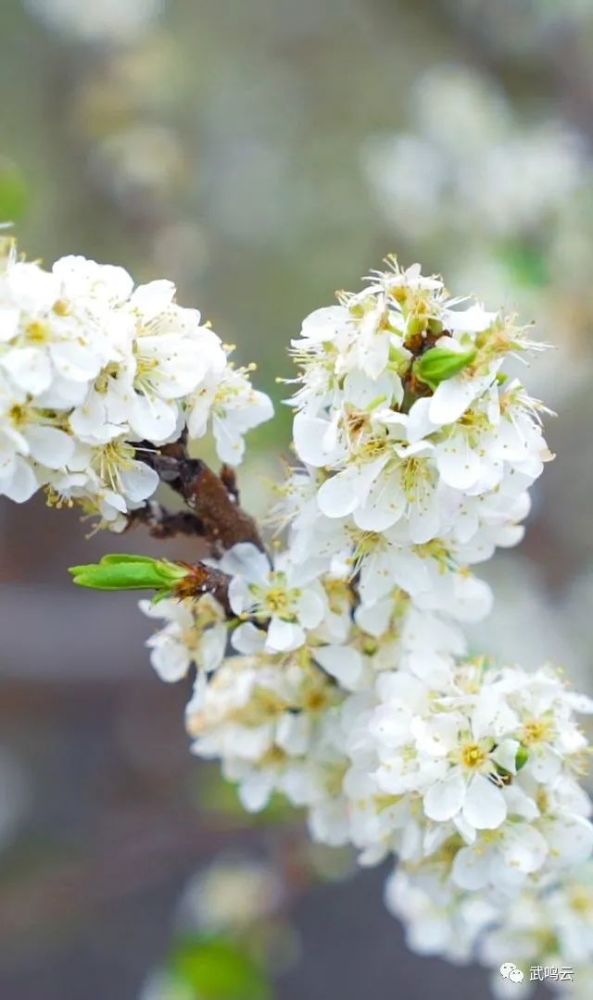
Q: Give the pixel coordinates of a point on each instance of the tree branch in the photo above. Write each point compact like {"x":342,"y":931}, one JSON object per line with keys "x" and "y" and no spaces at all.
{"x":163,"y":523}
{"x":212,"y":499}
{"x":202,"y":579}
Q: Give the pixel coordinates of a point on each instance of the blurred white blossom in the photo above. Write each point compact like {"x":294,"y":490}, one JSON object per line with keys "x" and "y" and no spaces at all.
{"x":488,"y":173}
{"x":232,"y":893}
{"x":104,"y":21}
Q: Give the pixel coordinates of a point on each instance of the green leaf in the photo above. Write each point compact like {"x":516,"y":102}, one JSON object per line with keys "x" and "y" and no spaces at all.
{"x":441,"y":363}
{"x":217,"y":968}
{"x":122,"y":557}
{"x":13,"y":192}
{"x":526,"y":265}
{"x":521,"y":757}
{"x":128,"y":572}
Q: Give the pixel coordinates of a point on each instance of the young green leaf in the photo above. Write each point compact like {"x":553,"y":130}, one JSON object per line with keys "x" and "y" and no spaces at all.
{"x":129,"y":572}
{"x":218,"y":968}
{"x":441,"y":363}
{"x":522,"y":757}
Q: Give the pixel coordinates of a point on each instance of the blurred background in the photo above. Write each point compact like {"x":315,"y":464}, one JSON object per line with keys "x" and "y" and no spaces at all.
{"x":262,"y":155}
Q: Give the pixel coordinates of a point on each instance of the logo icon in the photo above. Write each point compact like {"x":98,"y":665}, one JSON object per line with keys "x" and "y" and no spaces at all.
{"x":509,"y":970}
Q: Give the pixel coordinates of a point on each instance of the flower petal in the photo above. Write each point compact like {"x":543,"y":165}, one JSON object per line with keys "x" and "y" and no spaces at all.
{"x":342,"y":662}
{"x":484,"y":806}
{"x":49,"y":446}
{"x":284,"y":636}
{"x":29,"y":369}
{"x":139,"y":482}
{"x":445,"y":798}
{"x":471,"y":868}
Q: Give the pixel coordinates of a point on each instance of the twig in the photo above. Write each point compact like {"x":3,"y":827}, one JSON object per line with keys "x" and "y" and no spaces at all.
{"x":212,"y":499}
{"x":163,"y":523}
{"x":202,"y":579}
{"x":228,"y":478}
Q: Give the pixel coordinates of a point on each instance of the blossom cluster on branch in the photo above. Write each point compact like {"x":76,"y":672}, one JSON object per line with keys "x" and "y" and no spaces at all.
{"x":91,"y":369}
{"x":333,"y":668}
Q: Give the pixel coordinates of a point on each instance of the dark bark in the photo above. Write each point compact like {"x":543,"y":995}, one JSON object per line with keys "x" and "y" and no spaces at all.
{"x":213,"y":501}
{"x":203,"y":579}
{"x":162,"y":523}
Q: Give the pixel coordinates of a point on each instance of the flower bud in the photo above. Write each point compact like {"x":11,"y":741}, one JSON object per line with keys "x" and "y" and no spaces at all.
{"x":129,"y":572}
{"x":440,"y":363}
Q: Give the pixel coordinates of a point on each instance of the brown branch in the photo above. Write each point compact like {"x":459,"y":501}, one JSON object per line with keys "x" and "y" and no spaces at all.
{"x":163,"y":523}
{"x":228,"y":477}
{"x":202,"y":579}
{"x":206,"y":494}
{"x":212,"y":499}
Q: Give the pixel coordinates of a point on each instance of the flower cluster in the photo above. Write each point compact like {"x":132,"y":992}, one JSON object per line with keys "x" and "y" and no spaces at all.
{"x":350,"y":690}
{"x":418,"y":450}
{"x":475,"y":774}
{"x":546,"y":933}
{"x":334,"y":671}
{"x":94,"y":373}
{"x":266,"y":719}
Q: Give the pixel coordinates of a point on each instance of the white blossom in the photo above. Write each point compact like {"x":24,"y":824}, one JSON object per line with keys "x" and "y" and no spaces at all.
{"x":94,"y":374}
{"x":110,"y":21}
{"x":399,"y":468}
{"x":338,"y":674}
{"x":195,"y":633}
{"x":264,"y":718}
{"x":477,"y":753}
{"x":352,"y":693}
{"x":283,"y":597}
{"x":228,"y":401}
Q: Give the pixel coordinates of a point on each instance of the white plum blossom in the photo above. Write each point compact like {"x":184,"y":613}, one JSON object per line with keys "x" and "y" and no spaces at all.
{"x":436,"y":920}
{"x":350,"y":690}
{"x":549,"y":927}
{"x":228,"y":401}
{"x":111,"y":22}
{"x":468,"y":756}
{"x":333,"y":669}
{"x":418,"y":450}
{"x":352,"y":693}
{"x":166,"y":353}
{"x":264,"y":717}
{"x":95,"y":373}
{"x":196,"y":633}
{"x":283,"y":597}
